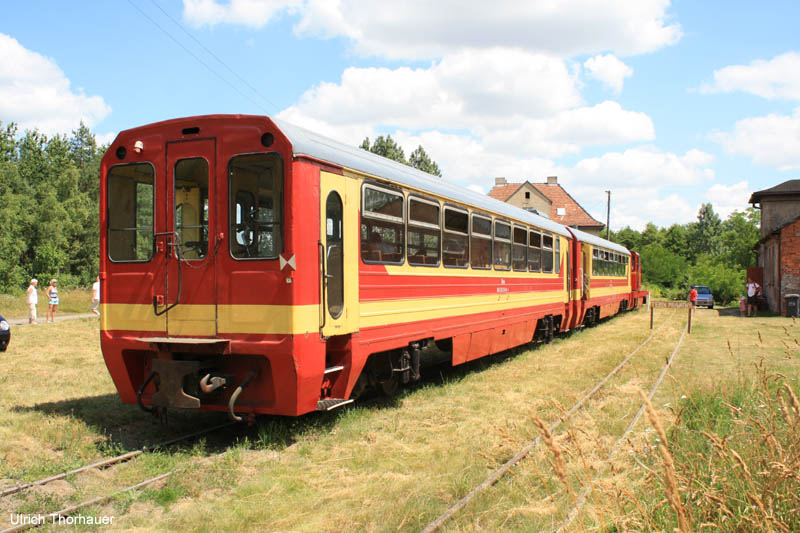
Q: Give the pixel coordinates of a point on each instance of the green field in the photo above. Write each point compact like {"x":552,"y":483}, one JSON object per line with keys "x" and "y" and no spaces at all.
{"x":396,"y":464}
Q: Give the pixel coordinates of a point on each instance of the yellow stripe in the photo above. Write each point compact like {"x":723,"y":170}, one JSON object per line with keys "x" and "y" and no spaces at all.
{"x":198,"y":319}
{"x":386,"y":312}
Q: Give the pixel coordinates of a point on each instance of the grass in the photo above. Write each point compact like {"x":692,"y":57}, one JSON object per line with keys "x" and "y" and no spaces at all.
{"x":398,"y":464}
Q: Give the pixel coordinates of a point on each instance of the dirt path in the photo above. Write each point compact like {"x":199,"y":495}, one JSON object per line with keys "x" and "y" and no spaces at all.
{"x":59,"y":318}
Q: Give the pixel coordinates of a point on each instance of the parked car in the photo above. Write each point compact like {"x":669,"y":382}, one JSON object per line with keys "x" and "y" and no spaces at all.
{"x":5,"y":334}
{"x":704,"y":297}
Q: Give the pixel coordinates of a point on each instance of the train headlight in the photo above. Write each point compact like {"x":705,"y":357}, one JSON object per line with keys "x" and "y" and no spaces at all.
{"x":4,"y":325}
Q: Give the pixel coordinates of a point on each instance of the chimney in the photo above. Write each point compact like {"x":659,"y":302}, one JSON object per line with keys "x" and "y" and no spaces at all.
{"x":552,"y":180}
{"x":500,"y":181}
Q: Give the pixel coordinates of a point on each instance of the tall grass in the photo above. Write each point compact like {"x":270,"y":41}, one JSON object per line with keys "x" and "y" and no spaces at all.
{"x":71,"y":301}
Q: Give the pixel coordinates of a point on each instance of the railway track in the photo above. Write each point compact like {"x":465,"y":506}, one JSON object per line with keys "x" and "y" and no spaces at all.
{"x":525,"y":451}
{"x":52,"y":517}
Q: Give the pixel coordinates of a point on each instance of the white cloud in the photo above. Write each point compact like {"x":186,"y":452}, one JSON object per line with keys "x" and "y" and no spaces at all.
{"x":609,"y":70}
{"x":644,"y":166}
{"x":729,"y":198}
{"x":515,"y":102}
{"x":36,"y":94}
{"x":420,"y":29}
{"x":251,"y":13}
{"x":778,"y":78}
{"x":772,"y":140}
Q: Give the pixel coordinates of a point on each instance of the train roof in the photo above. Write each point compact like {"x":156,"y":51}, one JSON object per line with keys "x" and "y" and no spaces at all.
{"x":310,"y":144}
{"x":582,"y":236}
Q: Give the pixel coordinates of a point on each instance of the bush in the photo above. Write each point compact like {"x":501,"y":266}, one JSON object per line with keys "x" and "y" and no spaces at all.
{"x":727,"y":283}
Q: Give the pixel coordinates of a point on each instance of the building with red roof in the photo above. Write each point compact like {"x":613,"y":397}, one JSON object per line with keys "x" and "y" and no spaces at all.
{"x":548,"y":199}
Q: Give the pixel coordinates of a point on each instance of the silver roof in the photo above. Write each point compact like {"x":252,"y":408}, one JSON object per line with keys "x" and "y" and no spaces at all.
{"x":307,"y":143}
{"x":582,"y":236}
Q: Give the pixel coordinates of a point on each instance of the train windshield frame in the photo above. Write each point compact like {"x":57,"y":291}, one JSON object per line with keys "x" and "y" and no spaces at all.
{"x":130,"y":212}
{"x":256,"y":211}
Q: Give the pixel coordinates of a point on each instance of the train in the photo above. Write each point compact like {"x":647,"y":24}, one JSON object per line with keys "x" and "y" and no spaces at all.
{"x":255,"y":267}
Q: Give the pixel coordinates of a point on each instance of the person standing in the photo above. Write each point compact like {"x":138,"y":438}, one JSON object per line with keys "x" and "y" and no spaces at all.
{"x":753,"y":290}
{"x":52,"y":295}
{"x":693,"y":297}
{"x":33,"y":301}
{"x":96,"y":296}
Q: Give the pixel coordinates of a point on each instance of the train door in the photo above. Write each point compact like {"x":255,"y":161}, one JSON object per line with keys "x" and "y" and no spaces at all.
{"x":190,"y":282}
{"x":338,"y":254}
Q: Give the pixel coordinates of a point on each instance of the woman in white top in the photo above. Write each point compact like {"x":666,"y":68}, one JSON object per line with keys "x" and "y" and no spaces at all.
{"x":33,"y":300}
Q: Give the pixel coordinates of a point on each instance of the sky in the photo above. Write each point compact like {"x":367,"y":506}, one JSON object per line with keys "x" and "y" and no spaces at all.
{"x":668,"y":105}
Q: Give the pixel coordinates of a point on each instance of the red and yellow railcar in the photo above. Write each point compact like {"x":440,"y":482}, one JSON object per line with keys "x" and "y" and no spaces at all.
{"x":252,"y":266}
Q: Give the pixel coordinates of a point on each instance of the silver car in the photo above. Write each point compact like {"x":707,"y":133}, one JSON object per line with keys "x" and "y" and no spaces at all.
{"x":704,"y":296}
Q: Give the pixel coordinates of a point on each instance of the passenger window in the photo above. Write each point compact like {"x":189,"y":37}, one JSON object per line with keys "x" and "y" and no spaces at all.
{"x":256,"y":206}
{"x":481,"y":242}
{"x":502,"y":246}
{"x":535,"y":251}
{"x":547,"y":252}
{"x":191,"y":207}
{"x":520,"y":256}
{"x":382,"y":225}
{"x":424,"y":232}
{"x":456,"y":238}
{"x":130,"y":212}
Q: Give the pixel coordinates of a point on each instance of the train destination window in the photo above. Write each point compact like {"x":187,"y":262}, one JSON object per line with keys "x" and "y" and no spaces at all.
{"x":256,"y":206}
{"x":480,"y":244}
{"x":519,"y":254}
{"x":382,"y":227}
{"x":130,"y":212}
{"x":455,"y":250}
{"x":547,"y":252}
{"x":535,"y":251}
{"x":424,"y":232}
{"x":502,"y":245}
{"x":191,"y":207}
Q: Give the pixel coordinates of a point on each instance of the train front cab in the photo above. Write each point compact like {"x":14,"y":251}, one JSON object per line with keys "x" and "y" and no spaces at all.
{"x":204,"y":271}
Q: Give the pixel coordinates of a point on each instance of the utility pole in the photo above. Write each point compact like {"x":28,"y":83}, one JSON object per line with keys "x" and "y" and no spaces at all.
{"x":608,"y":217}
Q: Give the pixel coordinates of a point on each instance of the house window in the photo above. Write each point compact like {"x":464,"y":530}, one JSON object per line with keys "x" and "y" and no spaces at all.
{"x":561,"y":211}
{"x":527,"y":195}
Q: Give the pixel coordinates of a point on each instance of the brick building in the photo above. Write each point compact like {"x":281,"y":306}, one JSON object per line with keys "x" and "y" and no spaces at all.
{"x":779,"y":246}
{"x":549,"y":200}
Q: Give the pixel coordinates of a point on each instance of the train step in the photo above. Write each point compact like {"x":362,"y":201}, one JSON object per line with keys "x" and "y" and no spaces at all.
{"x":331,"y":404}
{"x":332,"y":369}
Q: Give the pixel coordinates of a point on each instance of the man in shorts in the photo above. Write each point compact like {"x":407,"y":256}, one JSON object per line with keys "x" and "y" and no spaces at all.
{"x":753,"y":290}
{"x":33,"y":300}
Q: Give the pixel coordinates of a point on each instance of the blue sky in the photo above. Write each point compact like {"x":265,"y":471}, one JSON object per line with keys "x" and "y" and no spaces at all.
{"x":668,"y":105}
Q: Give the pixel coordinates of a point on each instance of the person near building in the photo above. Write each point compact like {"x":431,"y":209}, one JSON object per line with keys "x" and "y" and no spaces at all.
{"x":753,"y":291}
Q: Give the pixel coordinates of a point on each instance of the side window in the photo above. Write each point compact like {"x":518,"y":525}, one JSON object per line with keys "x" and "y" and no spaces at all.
{"x":502,"y":245}
{"x":595,"y":262}
{"x":255,"y":198}
{"x":547,"y":252}
{"x":534,"y":251}
{"x":130,"y":212}
{"x":382,"y":225}
{"x":424,"y":232}
{"x":519,"y":254}
{"x":480,"y":242}
{"x":455,"y":250}
{"x":558,"y":254}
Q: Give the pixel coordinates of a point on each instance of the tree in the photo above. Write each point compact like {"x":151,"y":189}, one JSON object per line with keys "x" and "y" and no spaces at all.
{"x":387,"y":147}
{"x":420,"y":160}
{"x":738,"y":236}
{"x":627,"y":237}
{"x":704,"y":234}
{"x":662,"y":266}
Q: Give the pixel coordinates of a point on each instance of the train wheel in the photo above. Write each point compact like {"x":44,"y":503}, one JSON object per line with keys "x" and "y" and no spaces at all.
{"x":391,"y":386}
